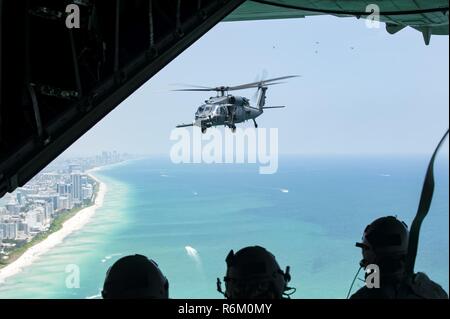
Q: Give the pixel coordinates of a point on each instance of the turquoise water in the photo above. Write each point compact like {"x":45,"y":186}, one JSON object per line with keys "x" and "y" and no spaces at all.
{"x":156,"y":208}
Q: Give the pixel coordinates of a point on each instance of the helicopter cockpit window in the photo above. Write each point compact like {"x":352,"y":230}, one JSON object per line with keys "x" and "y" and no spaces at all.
{"x":218,"y":109}
{"x":201,"y":109}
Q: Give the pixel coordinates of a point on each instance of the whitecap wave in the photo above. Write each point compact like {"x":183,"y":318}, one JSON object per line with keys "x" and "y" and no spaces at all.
{"x":108,"y":257}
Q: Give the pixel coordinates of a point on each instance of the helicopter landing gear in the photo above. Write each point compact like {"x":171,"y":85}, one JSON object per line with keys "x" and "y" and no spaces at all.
{"x":254,"y":122}
{"x":203,"y":130}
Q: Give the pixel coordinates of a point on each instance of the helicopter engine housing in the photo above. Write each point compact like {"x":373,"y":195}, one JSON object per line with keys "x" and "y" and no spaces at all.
{"x":236,"y":100}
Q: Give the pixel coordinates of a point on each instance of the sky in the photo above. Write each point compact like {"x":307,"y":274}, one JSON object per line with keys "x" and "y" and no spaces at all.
{"x":362,"y":91}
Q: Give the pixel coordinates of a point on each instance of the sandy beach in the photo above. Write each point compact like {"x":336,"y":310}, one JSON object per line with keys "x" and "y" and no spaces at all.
{"x":71,"y":225}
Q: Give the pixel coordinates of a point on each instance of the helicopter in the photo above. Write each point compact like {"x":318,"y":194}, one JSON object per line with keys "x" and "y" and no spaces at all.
{"x":228,"y":110}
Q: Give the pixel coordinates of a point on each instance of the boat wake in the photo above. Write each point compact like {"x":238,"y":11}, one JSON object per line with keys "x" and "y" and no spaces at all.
{"x":193,"y":254}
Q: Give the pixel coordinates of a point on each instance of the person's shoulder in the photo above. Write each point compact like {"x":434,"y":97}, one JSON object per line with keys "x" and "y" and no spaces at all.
{"x":423,"y":286}
{"x":369,"y":293}
{"x":362,"y":293}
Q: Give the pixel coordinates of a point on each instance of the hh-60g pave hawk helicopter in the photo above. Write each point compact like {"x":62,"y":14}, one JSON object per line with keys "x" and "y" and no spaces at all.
{"x":226,"y":109}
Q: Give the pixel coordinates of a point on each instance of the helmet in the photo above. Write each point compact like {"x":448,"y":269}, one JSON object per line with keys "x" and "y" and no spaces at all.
{"x":253,"y":273}
{"x":386,"y":238}
{"x":135,"y":276}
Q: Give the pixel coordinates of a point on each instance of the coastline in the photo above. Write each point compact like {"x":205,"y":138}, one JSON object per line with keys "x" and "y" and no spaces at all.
{"x":73,"y":224}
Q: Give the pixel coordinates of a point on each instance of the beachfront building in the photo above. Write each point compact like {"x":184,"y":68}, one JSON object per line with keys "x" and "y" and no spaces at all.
{"x":87,"y":192}
{"x":47,"y":208}
{"x":76,"y":193}
{"x":22,"y":231}
{"x":36,"y":219}
{"x":8,"y":230}
{"x":64,"y":203}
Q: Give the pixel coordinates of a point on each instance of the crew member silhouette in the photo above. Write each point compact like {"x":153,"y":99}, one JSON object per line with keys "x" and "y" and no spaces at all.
{"x":385,"y":244}
{"x":253,"y":273}
{"x":135,"y":277}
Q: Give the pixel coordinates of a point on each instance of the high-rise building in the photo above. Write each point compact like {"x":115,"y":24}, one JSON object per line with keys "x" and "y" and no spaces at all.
{"x":53,"y":199}
{"x":36,"y":218}
{"x":87,"y":191}
{"x":76,"y":193}
{"x":22,"y":229}
{"x":47,"y":209}
{"x":64,"y":202}
{"x":62,"y":188}
{"x":9,"y":230}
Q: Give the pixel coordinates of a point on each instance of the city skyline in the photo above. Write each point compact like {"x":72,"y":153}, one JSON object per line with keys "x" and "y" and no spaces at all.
{"x":60,"y":188}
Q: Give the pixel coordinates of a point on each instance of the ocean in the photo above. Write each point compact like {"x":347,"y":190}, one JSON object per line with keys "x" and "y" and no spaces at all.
{"x":309,"y":215}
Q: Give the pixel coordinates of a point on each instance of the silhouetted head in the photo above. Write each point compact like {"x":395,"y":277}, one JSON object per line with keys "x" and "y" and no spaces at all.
{"x":385,"y":243}
{"x":135,"y":277}
{"x":253,"y":273}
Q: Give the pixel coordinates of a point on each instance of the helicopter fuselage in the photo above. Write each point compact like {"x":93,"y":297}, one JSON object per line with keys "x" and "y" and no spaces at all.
{"x":225,"y":110}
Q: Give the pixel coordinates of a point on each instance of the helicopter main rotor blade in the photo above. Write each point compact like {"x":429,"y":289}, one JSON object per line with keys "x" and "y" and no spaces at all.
{"x":239,"y":87}
{"x":250,"y":86}
{"x":260,"y":83}
{"x":195,"y":90}
{"x":186,"y":85}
